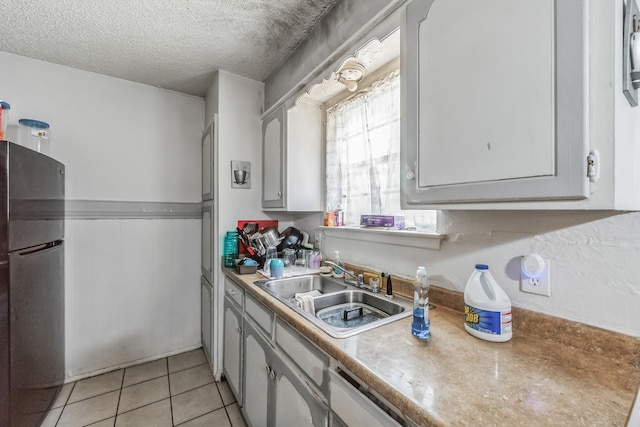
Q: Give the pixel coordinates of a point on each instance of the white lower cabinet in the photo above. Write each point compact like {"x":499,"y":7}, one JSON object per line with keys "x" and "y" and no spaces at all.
{"x":275,"y":393}
{"x":281,"y":379}
{"x":256,"y":377}
{"x":232,"y":351}
{"x":294,"y":403}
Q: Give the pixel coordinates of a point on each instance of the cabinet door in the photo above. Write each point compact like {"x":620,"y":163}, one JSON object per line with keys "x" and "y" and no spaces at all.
{"x":311,"y":361}
{"x":232,"y":359}
{"x":257,"y":369}
{"x":304,"y":188}
{"x":207,"y":241}
{"x":294,"y":403}
{"x":208,"y":162}
{"x":495,"y":103}
{"x":273,"y":159}
{"x":206,"y":301}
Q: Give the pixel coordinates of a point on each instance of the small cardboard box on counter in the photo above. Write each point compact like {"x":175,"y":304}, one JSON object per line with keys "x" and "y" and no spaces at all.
{"x":385,"y":221}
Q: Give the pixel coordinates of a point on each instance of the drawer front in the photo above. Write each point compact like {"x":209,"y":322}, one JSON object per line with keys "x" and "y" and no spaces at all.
{"x":353,"y":407}
{"x":261,"y":315}
{"x":233,"y":291}
{"x":308,"y":358}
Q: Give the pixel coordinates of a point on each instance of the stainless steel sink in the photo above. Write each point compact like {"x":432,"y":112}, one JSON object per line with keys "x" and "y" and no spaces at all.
{"x":288,"y":287}
{"x":341,"y":310}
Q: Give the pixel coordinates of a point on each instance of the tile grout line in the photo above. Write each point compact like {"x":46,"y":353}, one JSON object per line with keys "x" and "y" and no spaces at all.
{"x":65,"y":402}
{"x":185,"y":369}
{"x":228,"y":416}
{"x":168,"y":376}
{"x":151,"y":403}
{"x":124,"y":371}
{"x":170,"y":394}
{"x":206,"y":413}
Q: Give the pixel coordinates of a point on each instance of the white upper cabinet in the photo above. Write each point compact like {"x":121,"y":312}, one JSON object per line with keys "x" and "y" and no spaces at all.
{"x":499,"y":104}
{"x":292,"y":158}
{"x":273,"y":144}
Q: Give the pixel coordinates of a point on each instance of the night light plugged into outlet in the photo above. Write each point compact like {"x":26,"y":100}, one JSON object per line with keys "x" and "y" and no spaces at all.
{"x":535,"y":276}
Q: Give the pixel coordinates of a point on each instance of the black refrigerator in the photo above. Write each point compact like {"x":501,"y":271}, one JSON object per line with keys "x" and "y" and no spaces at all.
{"x":31,"y":284}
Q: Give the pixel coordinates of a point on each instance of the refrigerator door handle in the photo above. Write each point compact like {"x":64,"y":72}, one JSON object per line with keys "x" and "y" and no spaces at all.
{"x":40,"y":248}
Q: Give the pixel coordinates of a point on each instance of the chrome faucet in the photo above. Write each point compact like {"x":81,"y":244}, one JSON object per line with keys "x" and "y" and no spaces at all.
{"x":359,"y":279}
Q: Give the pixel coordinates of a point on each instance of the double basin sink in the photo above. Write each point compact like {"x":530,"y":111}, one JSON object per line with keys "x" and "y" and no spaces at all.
{"x":339,"y":309}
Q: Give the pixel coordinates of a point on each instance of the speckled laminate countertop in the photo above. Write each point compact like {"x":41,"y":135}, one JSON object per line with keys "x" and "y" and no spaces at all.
{"x":456,"y":379}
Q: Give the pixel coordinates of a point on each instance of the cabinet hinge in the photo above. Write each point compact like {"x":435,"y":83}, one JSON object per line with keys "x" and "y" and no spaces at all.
{"x":593,"y":166}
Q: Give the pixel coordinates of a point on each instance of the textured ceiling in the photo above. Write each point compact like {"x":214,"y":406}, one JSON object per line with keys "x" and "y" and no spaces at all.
{"x":172,"y":44}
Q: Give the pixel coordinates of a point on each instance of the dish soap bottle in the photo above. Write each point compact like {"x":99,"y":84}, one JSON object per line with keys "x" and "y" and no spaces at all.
{"x":421,"y":324}
{"x":487,"y":308}
{"x":339,"y":270}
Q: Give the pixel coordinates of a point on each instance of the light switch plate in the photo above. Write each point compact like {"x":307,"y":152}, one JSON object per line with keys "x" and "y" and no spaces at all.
{"x":540,"y":285}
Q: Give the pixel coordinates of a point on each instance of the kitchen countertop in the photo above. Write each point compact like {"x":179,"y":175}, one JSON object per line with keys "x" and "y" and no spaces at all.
{"x":457,"y":379}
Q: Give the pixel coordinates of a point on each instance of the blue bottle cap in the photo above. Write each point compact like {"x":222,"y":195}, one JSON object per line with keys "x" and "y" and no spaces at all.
{"x":482,"y":266}
{"x":5,"y":105}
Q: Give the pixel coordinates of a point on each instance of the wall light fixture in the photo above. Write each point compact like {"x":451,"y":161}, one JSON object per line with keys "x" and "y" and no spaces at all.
{"x":350,"y":75}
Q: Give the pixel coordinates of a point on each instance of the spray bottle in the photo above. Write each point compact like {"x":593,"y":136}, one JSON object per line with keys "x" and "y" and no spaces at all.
{"x":420,"y":327}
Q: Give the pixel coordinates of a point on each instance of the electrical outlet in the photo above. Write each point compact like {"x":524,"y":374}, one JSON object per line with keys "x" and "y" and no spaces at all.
{"x":317,"y":240}
{"x":535,"y":275}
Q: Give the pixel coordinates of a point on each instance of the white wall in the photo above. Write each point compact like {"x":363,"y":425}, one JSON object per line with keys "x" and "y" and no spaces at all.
{"x":132,"y":285}
{"x":119,"y":140}
{"x":595,"y":273}
{"x":240,"y":138}
{"x":132,"y":291}
{"x":238,"y":103}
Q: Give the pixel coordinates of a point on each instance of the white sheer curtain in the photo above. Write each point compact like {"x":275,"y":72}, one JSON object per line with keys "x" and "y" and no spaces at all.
{"x":363,"y":156}
{"x":363,"y":152}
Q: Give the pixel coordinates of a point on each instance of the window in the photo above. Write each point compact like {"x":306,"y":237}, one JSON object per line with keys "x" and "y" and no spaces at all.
{"x":363,"y":155}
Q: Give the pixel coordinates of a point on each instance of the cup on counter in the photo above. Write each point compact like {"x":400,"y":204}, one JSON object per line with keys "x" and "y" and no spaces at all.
{"x":272,"y":253}
{"x":302,"y":257}
{"x":276,"y":267}
{"x":289,"y":257}
{"x":314,"y":260}
{"x":374,"y":283}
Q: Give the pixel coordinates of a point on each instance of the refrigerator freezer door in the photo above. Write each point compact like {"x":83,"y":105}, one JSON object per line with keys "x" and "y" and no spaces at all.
{"x":36,"y":198}
{"x":37,"y":329}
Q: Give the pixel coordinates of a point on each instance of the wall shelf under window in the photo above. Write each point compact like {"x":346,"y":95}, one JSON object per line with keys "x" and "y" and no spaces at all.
{"x":413,"y":239}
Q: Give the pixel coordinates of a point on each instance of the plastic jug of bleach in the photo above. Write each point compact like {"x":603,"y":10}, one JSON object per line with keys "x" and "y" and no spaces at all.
{"x":487,"y":309}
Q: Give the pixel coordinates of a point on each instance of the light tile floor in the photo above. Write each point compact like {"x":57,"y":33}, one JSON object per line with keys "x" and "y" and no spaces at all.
{"x":173,"y":391}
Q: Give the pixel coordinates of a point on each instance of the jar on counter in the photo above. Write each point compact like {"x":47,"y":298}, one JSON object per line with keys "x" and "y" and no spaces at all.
{"x":230,"y":248}
{"x":289,"y":257}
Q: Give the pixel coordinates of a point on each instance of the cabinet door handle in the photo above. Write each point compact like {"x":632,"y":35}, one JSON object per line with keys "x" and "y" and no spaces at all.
{"x":231,"y":292}
{"x":270,"y":373}
{"x":279,"y":193}
{"x":411,"y":175}
{"x":239,"y":330}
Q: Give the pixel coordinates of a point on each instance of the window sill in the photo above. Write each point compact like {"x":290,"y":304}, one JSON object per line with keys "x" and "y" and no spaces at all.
{"x":414,"y":239}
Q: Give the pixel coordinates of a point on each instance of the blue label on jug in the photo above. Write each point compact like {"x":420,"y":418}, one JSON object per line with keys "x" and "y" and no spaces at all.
{"x":485,"y":321}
